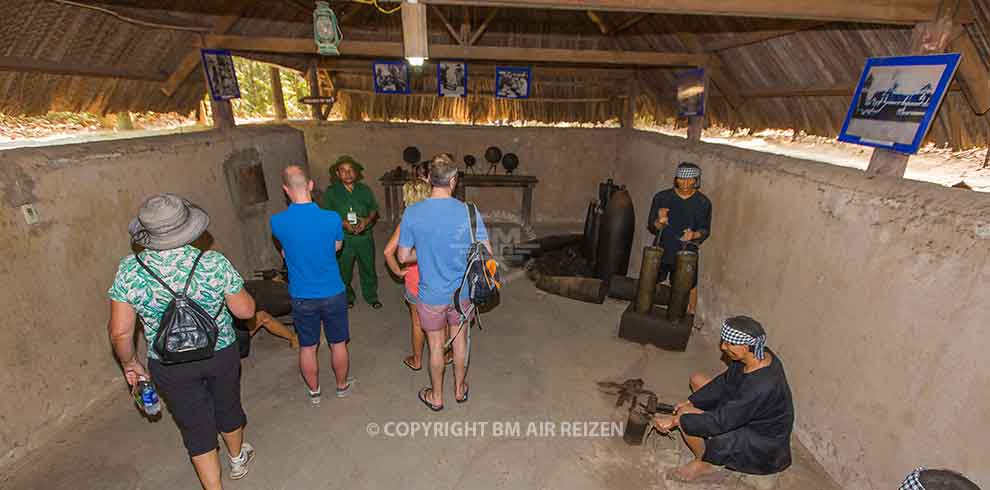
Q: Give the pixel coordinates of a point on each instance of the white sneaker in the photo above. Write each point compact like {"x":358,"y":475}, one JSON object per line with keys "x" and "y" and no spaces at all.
{"x":314,"y":396}
{"x":343,"y":392}
{"x":239,"y":465}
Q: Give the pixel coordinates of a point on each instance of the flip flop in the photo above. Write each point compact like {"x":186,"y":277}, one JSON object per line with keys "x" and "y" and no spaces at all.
{"x":376,"y":305}
{"x":467,"y":391}
{"x":422,"y":398}
{"x":410,"y":366}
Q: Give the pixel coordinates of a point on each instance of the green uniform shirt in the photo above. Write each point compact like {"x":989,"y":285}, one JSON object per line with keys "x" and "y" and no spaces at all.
{"x":360,"y":200}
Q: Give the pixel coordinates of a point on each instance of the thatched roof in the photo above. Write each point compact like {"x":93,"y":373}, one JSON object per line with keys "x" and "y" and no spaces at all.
{"x":772,"y":73}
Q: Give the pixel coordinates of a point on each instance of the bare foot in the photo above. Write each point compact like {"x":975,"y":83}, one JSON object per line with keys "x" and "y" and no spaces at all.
{"x":693,"y":471}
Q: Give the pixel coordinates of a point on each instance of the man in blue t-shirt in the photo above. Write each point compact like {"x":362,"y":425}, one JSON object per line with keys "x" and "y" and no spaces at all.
{"x":309,"y":238}
{"x":439,"y":230}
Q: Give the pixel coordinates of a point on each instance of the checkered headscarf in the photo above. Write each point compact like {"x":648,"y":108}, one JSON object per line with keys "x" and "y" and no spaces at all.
{"x":732,"y":335}
{"x":913,"y":482}
{"x":688,"y":171}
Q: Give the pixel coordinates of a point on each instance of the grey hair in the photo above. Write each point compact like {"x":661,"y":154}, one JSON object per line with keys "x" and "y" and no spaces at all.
{"x":442,"y":169}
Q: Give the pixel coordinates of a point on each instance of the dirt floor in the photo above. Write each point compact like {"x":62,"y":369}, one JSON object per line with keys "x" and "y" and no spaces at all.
{"x":536,"y":362}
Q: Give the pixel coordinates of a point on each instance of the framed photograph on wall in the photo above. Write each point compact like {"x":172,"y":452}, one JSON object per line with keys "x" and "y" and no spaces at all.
{"x":691,"y":88}
{"x":391,"y":76}
{"x":221,"y":77}
{"x":512,"y":83}
{"x":452,"y":77}
{"x":896,"y":101}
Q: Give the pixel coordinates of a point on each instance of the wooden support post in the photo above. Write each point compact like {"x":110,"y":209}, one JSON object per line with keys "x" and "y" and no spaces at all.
{"x":223,"y":114}
{"x":278,"y":98}
{"x":314,"y":89}
{"x":629,"y":108}
{"x":124,"y":121}
{"x":927,"y":38}
{"x":696,"y":126}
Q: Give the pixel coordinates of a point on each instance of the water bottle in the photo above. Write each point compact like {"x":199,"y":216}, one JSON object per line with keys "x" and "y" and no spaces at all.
{"x":146,"y":397}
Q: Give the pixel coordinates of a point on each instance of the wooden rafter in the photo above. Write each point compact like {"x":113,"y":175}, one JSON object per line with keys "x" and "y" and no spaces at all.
{"x":350,"y":65}
{"x":192,"y":59}
{"x":871,"y":11}
{"x":760,"y":36}
{"x":599,"y":21}
{"x":446,"y":23}
{"x":32,"y":65}
{"x":636,"y":19}
{"x":545,"y":55}
{"x":483,"y":27}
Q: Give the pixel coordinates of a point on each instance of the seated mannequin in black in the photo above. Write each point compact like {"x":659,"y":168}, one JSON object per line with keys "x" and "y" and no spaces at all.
{"x":741,"y":419}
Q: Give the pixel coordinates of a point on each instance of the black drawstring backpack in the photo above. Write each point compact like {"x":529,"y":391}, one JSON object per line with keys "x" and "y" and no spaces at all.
{"x":186,"y":332}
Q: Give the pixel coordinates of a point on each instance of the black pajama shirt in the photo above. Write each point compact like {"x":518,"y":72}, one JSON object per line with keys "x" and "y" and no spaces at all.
{"x":747,"y":421}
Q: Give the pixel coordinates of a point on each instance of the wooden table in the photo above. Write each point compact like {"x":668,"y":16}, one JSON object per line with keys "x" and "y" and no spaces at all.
{"x":393,"y":191}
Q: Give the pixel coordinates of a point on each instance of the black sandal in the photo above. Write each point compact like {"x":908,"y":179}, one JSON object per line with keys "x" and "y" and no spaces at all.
{"x":376,"y":305}
{"x":467,"y":391}
{"x":422,"y":398}
{"x":410,"y":366}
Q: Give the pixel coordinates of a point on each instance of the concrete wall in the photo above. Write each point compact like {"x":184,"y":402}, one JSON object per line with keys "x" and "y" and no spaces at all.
{"x":568,"y":162}
{"x":874,"y":292}
{"x":54,"y":352}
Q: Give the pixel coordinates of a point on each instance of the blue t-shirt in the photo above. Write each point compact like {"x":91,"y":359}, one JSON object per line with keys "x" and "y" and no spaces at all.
{"x":308,"y":236}
{"x":439,"y":230}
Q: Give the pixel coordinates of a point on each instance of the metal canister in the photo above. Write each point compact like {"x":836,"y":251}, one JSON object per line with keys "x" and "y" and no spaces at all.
{"x":648,"y":272}
{"x":681,"y":283}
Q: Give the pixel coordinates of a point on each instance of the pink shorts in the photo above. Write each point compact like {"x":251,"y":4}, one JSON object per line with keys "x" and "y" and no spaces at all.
{"x":435,"y":317}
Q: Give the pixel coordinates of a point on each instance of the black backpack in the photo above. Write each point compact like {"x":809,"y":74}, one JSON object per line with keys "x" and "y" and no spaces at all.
{"x":481,"y":276}
{"x":186,"y":332}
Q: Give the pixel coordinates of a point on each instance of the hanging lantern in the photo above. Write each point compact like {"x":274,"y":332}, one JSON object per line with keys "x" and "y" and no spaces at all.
{"x":326,"y":32}
{"x":414,"y":33}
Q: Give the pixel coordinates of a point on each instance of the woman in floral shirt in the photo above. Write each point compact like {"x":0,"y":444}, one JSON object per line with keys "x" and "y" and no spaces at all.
{"x":204,"y":396}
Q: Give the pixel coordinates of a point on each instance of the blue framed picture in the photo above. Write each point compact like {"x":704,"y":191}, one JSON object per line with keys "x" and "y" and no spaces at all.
{"x":391,"y":76}
{"x":512,"y":83}
{"x":452,"y":77}
{"x":221,"y":77}
{"x":896,"y":101}
{"x":691,"y":87}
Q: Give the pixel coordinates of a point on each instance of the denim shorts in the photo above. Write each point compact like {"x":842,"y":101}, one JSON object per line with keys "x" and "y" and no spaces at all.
{"x":409,"y":297}
{"x":308,"y":314}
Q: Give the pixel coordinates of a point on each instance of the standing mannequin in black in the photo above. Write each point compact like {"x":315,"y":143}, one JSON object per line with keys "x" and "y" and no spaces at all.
{"x":685,"y":215}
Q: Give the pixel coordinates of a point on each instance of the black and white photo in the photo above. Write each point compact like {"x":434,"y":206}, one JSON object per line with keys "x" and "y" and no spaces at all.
{"x":391,"y":77}
{"x":896,"y":101}
{"x":220,"y":74}
{"x":452,"y":79}
{"x":512,"y":83}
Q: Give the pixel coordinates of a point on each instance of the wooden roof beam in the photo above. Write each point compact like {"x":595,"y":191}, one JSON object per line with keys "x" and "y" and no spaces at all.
{"x":629,"y":23}
{"x":483,"y":27}
{"x":363,"y":66}
{"x":492,"y":53}
{"x":760,"y":36}
{"x":192,"y":59}
{"x":32,"y":65}
{"x":599,"y":21}
{"x":446,"y":23}
{"x":869,"y":11}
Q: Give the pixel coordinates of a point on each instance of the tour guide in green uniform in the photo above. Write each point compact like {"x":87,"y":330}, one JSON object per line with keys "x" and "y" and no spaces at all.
{"x":356,"y":205}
